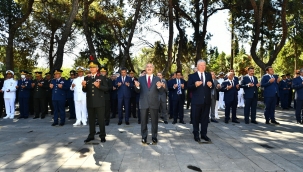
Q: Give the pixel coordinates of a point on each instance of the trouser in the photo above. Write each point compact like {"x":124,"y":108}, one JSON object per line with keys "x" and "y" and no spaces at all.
{"x":200,"y":116}
{"x":59,"y":107}
{"x":154,"y":122}
{"x":163,"y":110}
{"x":240,"y":100}
{"x":250,"y":108}
{"x":10,"y":107}
{"x":94,"y":112}
{"x":31,"y":105}
{"x":81,"y":111}
{"x":213,"y":109}
{"x":39,"y":107}
{"x":125,"y":102}
{"x":221,"y":100}
{"x":138,"y":111}
{"x":233,"y":105}
{"x":23,"y":106}
{"x":270,"y":106}
{"x":284,"y":100}
{"x":107,"y":110}
{"x":71,"y":105}
{"x":178,"y":108}
{"x":290,"y":97}
{"x":48,"y":102}
{"x":299,"y":104}
{"x":113,"y":106}
{"x":132,"y":107}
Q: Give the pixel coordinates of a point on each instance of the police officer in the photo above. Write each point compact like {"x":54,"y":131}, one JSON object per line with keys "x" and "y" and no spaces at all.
{"x":59,"y":88}
{"x":24,"y":88}
{"x":95,"y":87}
{"x":48,"y":94}
{"x":70,"y":96}
{"x":103,"y":72}
{"x":39,"y":86}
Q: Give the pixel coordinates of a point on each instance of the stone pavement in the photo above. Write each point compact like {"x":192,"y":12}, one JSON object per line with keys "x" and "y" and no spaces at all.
{"x":33,"y":145}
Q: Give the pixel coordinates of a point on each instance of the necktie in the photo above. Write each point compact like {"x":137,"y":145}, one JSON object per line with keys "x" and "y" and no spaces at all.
{"x":251,"y":79}
{"x":123,"y":79}
{"x":232,"y":83}
{"x":179,"y":87}
{"x":148,"y":82}
{"x":202,"y":79}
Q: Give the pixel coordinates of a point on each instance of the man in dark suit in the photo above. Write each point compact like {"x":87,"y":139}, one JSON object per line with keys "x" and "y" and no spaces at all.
{"x":113,"y":97}
{"x":149,"y":87}
{"x":59,"y":88}
{"x":29,"y":77}
{"x":107,"y":93}
{"x":24,"y":89}
{"x":200,"y":84}
{"x":124,"y":84}
{"x":95,"y":87}
{"x":48,"y":95}
{"x":70,"y":95}
{"x":284,"y":88}
{"x":290,"y":94}
{"x":170,"y":101}
{"x":230,"y":87}
{"x":133,"y":104}
{"x":297,"y":84}
{"x":250,"y":86}
{"x":177,"y":87}
{"x":270,"y":83}
{"x":163,"y":98}
{"x":39,"y":85}
{"x":214,"y":98}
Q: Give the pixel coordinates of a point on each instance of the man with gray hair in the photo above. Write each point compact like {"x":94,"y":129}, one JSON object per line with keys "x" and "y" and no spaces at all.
{"x":200,"y":84}
{"x":149,"y":87}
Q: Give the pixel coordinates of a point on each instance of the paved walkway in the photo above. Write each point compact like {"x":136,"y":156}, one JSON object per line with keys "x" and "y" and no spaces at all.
{"x":33,"y":145}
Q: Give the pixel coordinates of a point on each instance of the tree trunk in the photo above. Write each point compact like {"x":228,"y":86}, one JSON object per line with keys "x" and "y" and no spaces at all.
{"x":180,"y":44}
{"x":65,"y":34}
{"x":13,"y":27}
{"x":170,"y":39}
{"x":131,"y":34}
{"x":87,"y":32}
{"x":51,"y":50}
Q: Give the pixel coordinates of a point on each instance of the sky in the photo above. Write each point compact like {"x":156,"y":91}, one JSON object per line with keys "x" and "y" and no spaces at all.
{"x":217,"y":26}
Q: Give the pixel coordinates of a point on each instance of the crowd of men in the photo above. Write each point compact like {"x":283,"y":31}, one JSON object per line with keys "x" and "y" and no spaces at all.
{"x":93,"y":96}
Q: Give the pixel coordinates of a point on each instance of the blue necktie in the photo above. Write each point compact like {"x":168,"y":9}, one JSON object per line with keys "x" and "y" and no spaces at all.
{"x":179,"y":87}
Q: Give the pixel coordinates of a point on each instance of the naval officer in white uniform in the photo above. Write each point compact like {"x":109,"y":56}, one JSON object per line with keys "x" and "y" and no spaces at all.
{"x":9,"y":90}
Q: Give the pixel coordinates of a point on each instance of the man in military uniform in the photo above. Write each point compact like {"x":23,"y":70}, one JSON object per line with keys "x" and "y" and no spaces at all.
{"x":39,"y":85}
{"x":133,"y":97}
{"x":59,"y":88}
{"x":9,"y":90}
{"x":103,"y":72}
{"x":95,"y":87}
{"x":1,"y":97}
{"x":48,"y":95}
{"x":24,"y":88}
{"x":29,"y":76}
{"x":70,"y":96}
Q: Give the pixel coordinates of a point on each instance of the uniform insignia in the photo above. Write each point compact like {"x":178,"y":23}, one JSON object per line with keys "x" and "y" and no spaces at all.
{"x":62,"y":82}
{"x":98,"y":80}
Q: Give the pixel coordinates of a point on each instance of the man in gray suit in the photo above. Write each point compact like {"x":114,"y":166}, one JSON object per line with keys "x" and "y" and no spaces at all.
{"x":214,"y":98}
{"x":149,"y":87}
{"x":163,"y":98}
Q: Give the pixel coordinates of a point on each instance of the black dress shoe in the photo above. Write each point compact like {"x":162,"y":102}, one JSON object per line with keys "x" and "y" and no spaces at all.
{"x":267,"y":122}
{"x":139,"y":122}
{"x":88,"y":140}
{"x":112,"y":117}
{"x":213,"y":120}
{"x":54,"y":124}
{"x":182,"y":122}
{"x":170,"y":117}
{"x":299,"y":122}
{"x":107,"y":123}
{"x":103,"y":140}
{"x":144,"y":140}
{"x":155,"y":140}
{"x":127,"y":123}
{"x":226,"y":122}
{"x":237,"y":118}
{"x":246,"y":122}
{"x":42,"y":117}
{"x":197,"y":139}
{"x":174,"y":122}
{"x":119,"y":123}
{"x":205,"y":138}
{"x":35,"y":117}
{"x":19,"y":117}
{"x":254,"y":122}
{"x":274,"y":122}
{"x":235,"y":121}
{"x":61,"y":124}
{"x":25,"y":117}
{"x":190,"y":122}
{"x":165,"y":122}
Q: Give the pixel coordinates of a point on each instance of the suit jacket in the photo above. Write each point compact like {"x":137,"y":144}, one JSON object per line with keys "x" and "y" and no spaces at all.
{"x":149,"y":97}
{"x":230,"y":94}
{"x":283,"y":87}
{"x":124,"y":91}
{"x":174,"y":91}
{"x":249,"y":92}
{"x":215,"y":91}
{"x":202,"y":94}
{"x":59,"y":93}
{"x":39,"y":92}
{"x":163,"y":94}
{"x":298,"y":86}
{"x":270,"y":89}
{"x":24,"y":92}
{"x":95,"y":96}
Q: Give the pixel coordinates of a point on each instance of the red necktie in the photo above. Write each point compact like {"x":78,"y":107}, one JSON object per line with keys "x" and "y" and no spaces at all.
{"x":148,"y":82}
